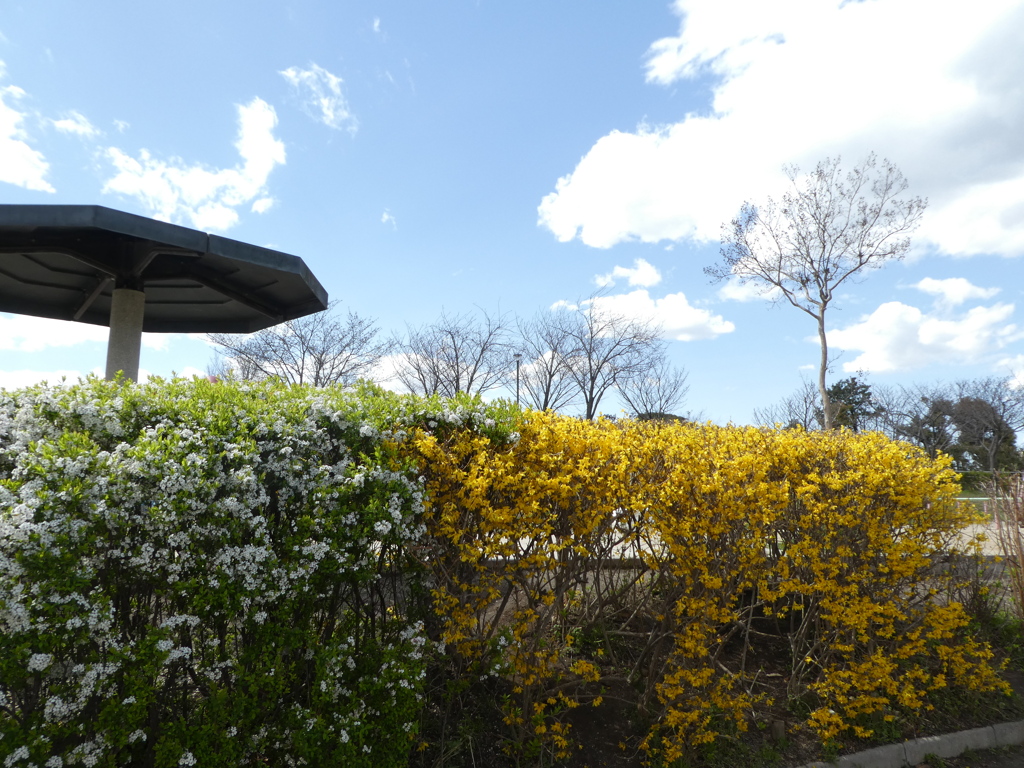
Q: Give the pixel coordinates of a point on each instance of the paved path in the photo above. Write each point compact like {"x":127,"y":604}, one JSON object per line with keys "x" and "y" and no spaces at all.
{"x":990,"y":546}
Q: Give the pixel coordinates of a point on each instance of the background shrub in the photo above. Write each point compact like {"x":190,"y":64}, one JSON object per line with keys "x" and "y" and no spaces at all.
{"x":746,"y":545}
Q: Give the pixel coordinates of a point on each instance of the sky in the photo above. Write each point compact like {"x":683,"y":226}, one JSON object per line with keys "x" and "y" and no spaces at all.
{"x":470,"y":155}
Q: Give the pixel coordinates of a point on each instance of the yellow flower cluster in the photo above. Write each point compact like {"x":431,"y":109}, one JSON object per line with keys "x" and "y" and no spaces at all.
{"x":818,"y":543}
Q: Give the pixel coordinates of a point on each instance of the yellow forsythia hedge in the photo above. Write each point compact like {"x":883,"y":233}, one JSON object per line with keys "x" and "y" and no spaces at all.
{"x":818,"y":546}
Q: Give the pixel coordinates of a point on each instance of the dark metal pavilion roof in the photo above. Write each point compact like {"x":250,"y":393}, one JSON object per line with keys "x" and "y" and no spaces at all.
{"x":64,"y":261}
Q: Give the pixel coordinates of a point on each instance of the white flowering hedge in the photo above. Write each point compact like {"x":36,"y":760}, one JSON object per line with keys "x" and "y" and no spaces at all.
{"x":197,"y":573}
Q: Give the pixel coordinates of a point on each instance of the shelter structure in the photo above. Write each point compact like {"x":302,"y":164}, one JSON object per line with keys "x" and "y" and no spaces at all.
{"x":92,"y":264}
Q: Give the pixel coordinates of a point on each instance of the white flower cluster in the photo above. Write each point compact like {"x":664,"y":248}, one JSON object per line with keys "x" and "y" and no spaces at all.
{"x":38,"y":662}
{"x":21,"y":753}
{"x":157,"y":539}
{"x":474,"y":415}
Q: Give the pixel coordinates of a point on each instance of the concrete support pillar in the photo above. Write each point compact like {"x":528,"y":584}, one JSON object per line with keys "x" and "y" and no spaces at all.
{"x":127,"y":309}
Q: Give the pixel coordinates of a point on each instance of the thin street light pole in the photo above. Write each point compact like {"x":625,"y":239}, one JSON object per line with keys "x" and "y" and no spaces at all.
{"x":518,"y":356}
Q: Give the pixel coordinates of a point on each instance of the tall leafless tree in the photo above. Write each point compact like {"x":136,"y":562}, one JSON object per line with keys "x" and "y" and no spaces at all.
{"x":606,"y":349}
{"x":660,"y":390}
{"x":824,"y":232}
{"x":455,"y":353}
{"x":318,"y":349}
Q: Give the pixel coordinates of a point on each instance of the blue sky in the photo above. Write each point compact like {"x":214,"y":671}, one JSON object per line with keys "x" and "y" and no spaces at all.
{"x":466,"y":153}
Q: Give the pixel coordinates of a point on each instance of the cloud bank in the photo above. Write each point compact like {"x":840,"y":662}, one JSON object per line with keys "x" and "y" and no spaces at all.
{"x":26,"y":333}
{"x":678,"y":319}
{"x":934,"y":89}
{"x":897,"y":336}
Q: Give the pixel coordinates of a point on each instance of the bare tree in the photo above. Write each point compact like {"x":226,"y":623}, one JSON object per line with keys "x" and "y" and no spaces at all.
{"x":606,"y":349}
{"x":660,"y":390}
{"x":545,"y":377}
{"x":455,"y":353}
{"x":801,"y":409}
{"x":824,"y":232}
{"x":318,"y":349}
{"x":889,"y":400}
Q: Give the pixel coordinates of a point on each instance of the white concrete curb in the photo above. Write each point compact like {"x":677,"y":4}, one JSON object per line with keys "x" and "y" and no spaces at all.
{"x":913,"y":752}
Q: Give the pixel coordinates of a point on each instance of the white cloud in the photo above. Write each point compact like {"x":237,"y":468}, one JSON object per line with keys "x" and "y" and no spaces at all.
{"x":1014,"y":367}
{"x":26,"y":333}
{"x":630,"y":186}
{"x":321,"y":96}
{"x":387,"y":218}
{"x":798,"y":80}
{"x":157,"y":341}
{"x":262,"y":205}
{"x":122,"y":125}
{"x":642,"y":273}
{"x":206,"y":198}
{"x":954,"y":290}
{"x":900,"y":337}
{"x":735,"y":290}
{"x":385,"y":373}
{"x":26,"y":378}
{"x":76,"y":123}
{"x":19,"y":163}
{"x":985,"y":217}
{"x":673,"y":312}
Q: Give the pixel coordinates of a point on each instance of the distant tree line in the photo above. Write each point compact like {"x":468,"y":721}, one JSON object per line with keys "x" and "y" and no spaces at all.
{"x":973,"y":420}
{"x":568,"y":358}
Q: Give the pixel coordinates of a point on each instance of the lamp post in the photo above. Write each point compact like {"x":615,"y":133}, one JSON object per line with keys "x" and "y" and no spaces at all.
{"x":518,"y":358}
